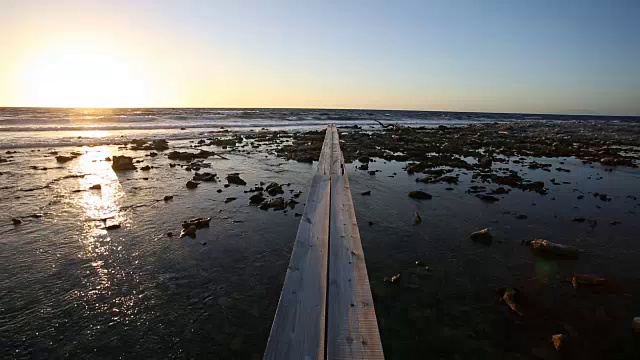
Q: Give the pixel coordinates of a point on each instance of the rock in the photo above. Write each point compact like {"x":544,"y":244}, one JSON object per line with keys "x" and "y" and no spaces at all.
{"x":168,"y":197}
{"x":487,"y":198}
{"x":372,"y":172}
{"x":615,"y":222}
{"x":229,"y":199}
{"x":364,"y":167}
{"x":513,"y":298}
{"x":485,"y":163}
{"x":145,"y":168}
{"x":364,"y":159}
{"x":95,"y":187}
{"x":481,"y":235}
{"x":394,"y":279}
{"x":64,"y":159}
{"x":297,"y":214}
{"x":274,"y":189}
{"x":192,"y":184}
{"x":187,"y":156}
{"x":421,"y":195}
{"x":418,"y":219}
{"x":548,"y":248}
{"x":588,"y":281}
{"x":190,"y":232}
{"x":113,"y":227}
{"x":199,"y":223}
{"x":122,"y":163}
{"x":366,"y":193}
{"x":415,"y":168}
{"x":235,"y":179}
{"x":275,"y":204}
{"x":500,"y":191}
{"x":559,"y":341}
{"x":15,"y":221}
{"x":169,"y":234}
{"x":635,"y":325}
{"x":521,"y":217}
{"x":206,"y":177}
{"x":578,"y":219}
{"x":219,"y":191}
{"x":537,"y":186}
{"x":256,"y":199}
{"x":292,"y":204}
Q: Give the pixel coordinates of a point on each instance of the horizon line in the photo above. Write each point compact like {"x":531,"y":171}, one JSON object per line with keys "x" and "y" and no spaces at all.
{"x":314,"y":108}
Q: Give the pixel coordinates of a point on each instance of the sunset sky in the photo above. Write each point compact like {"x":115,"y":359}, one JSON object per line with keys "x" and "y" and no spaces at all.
{"x":571,"y":56}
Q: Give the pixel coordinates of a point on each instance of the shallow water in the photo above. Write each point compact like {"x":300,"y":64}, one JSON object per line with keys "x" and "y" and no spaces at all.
{"x":69,"y":288}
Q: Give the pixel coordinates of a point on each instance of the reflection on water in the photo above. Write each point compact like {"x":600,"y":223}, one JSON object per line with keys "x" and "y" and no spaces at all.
{"x":102,"y":248}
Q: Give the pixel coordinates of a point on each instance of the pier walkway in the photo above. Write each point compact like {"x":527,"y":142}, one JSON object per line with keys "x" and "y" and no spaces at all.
{"x":325,"y":309}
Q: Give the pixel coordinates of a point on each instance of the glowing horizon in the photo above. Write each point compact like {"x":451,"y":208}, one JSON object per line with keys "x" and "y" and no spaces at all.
{"x":440,"y":56}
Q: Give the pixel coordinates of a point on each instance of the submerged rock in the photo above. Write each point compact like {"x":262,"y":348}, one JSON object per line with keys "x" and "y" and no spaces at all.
{"x":235,"y":179}
{"x":168,"y":197}
{"x":192,"y":184}
{"x":256,"y":199}
{"x":483,"y":235}
{"x":64,"y":159}
{"x":122,"y":163}
{"x":189,"y":231}
{"x":366,"y":193}
{"x":394,"y":279}
{"x":112,"y":227}
{"x":421,"y":195}
{"x":274,"y":189}
{"x":199,"y":223}
{"x":588,"y":281}
{"x":513,"y":298}
{"x":229,"y":199}
{"x":15,"y":221}
{"x":487,"y":198}
{"x":206,"y":177}
{"x":417,"y":218}
{"x":275,"y":204}
{"x":559,"y":341}
{"x":548,"y":248}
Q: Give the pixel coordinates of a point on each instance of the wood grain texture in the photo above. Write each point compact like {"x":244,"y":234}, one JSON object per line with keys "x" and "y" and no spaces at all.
{"x":337,"y":161}
{"x":352,"y":327}
{"x":324,"y":163}
{"x":298,"y":329}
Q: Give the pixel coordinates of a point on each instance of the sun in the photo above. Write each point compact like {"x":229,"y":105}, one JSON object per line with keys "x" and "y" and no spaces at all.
{"x":81,"y":74}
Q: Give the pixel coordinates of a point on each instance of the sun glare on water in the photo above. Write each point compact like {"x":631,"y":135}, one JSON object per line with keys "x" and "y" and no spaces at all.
{"x":80,"y":74}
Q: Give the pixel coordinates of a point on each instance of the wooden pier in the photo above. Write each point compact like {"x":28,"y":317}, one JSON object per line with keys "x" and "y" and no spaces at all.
{"x":325,"y":309}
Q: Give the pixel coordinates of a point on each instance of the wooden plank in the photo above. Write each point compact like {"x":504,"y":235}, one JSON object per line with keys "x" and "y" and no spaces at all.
{"x":337,"y":162}
{"x":324,"y":163}
{"x":298,"y":329}
{"x":352,"y":328}
{"x":326,"y":310}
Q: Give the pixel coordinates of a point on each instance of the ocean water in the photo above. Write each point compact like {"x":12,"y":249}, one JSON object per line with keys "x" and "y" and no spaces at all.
{"x":22,"y":127}
{"x":69,"y":288}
